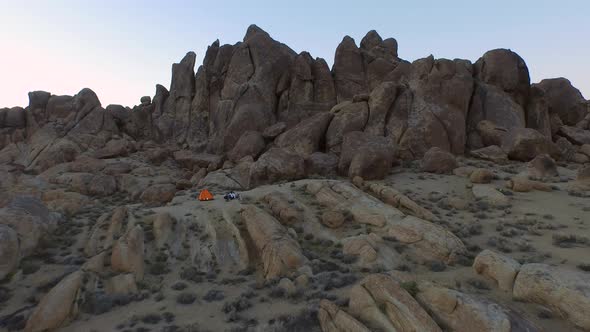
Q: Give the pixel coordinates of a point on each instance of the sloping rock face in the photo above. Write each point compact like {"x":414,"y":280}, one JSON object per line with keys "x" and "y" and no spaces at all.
{"x":383,"y":304}
{"x":258,"y":94}
{"x":280,"y":254}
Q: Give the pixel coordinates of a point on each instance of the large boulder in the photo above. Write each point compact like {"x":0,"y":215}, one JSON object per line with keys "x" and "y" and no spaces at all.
{"x":348,"y":117}
{"x":276,"y":165}
{"x":279,"y":252}
{"x":565,"y":292}
{"x":575,"y":135}
{"x":382,"y":303}
{"x":506,"y":70}
{"x":524,"y":144}
{"x":438,"y":161}
{"x":564,"y":100}
{"x":501,"y":269}
{"x":57,"y":306}
{"x":366,"y":155}
{"x":251,"y":143}
{"x":306,"y":137}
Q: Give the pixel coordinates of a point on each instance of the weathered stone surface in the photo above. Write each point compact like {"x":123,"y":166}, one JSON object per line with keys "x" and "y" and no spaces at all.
{"x":481,"y":175}
{"x":9,"y":251}
{"x":520,"y":184}
{"x":438,"y":161}
{"x":575,"y":135}
{"x":57,"y":306}
{"x":565,"y":292}
{"x":251,"y":143}
{"x":564,"y":100}
{"x":465,"y":313}
{"x":492,"y":153}
{"x":489,"y":194}
{"x":348,"y":117}
{"x":121,"y":284}
{"x":88,"y":184}
{"x":190,"y":160}
{"x":332,"y":219}
{"x":537,"y":112}
{"x":348,"y":71}
{"x":507,"y":71}
{"x":282,"y":209}
{"x":396,"y":199}
{"x":365,"y":155}
{"x":280,"y":254}
{"x":500,"y":268}
{"x":158,"y":194}
{"x":334,"y":319}
{"x":525,"y":144}
{"x":276,"y":165}
{"x":305,"y":138}
{"x":128,"y":253}
{"x":30,"y":219}
{"x":163,"y":229}
{"x":319,"y":163}
{"x":543,"y":166}
{"x":66,"y":202}
{"x":381,"y":303}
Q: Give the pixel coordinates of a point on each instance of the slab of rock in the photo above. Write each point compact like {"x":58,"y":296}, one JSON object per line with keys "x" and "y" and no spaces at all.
{"x":564,"y":100}
{"x":334,"y":319}
{"x":284,"y":211}
{"x":57,"y":306}
{"x":128,"y":253}
{"x":381,"y":303}
{"x":500,"y":268}
{"x":462,"y":312}
{"x":275,"y":165}
{"x":305,"y":138}
{"x":575,"y":135}
{"x":163,"y":228}
{"x":280,"y":254}
{"x":319,"y":163}
{"x":565,"y":292}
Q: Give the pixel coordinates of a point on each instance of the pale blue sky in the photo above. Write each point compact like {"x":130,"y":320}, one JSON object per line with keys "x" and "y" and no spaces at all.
{"x":121,"y":49}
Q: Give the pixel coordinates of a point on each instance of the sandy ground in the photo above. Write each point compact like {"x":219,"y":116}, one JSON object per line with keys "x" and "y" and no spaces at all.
{"x":524,"y":231}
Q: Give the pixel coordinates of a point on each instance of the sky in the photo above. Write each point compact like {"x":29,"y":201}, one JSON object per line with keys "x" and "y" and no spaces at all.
{"x":122,"y":49}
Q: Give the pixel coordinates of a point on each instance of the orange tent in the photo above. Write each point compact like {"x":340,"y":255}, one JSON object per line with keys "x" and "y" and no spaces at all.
{"x":205,"y":195}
